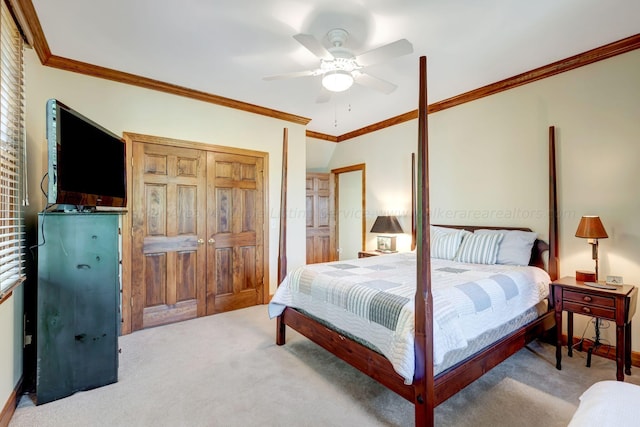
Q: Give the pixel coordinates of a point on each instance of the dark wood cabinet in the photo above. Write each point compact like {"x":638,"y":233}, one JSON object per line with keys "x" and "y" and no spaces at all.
{"x":78,"y":303}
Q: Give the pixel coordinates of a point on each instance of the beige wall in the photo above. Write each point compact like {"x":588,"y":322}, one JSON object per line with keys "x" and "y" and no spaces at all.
{"x":488,"y":165}
{"x":319,"y":154}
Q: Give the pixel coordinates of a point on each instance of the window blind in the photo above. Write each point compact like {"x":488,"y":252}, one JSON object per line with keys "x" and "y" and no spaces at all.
{"x":12,"y":152}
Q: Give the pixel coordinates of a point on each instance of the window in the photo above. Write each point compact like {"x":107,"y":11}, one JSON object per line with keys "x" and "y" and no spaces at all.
{"x":12,"y":152}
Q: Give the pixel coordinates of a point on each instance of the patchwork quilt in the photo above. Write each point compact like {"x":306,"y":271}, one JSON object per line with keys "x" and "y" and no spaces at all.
{"x":372,"y":299}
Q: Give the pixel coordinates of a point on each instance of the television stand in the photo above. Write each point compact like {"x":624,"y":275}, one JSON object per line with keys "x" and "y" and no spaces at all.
{"x":78,"y":301}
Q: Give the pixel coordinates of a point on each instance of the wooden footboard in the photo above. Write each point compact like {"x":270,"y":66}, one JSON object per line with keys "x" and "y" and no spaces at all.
{"x":357,"y":355}
{"x":378,"y":367}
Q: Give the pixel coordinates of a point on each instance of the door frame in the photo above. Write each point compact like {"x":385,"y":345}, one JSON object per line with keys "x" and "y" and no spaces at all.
{"x":129,"y":139}
{"x":335,"y":173}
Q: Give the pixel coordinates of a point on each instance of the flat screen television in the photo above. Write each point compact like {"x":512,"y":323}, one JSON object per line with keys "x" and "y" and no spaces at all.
{"x":87,"y":166}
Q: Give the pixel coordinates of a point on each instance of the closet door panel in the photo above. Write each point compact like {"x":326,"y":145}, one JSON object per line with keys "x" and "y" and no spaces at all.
{"x":235,"y":214}
{"x":168,"y":250}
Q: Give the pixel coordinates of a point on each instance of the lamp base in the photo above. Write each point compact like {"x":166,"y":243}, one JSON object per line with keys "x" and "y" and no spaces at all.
{"x":585,"y":276}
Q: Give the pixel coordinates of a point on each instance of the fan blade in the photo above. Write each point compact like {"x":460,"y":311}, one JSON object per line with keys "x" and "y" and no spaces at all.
{"x":290,"y":75}
{"x":314,"y":46}
{"x":383,"y":53}
{"x":323,"y":96}
{"x":374,"y":83}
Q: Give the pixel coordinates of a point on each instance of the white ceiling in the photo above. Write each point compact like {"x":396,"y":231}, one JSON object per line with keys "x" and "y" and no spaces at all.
{"x":226,"y":47}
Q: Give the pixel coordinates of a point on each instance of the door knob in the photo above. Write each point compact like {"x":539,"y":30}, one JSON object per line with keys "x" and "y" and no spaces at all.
{"x":201,"y":241}
{"x":212,"y":241}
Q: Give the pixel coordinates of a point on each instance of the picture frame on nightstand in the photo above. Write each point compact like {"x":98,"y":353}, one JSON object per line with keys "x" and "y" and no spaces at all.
{"x":386,"y":244}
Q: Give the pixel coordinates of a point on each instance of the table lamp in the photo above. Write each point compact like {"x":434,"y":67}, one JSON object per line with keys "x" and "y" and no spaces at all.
{"x":386,"y":225}
{"x":591,"y":228}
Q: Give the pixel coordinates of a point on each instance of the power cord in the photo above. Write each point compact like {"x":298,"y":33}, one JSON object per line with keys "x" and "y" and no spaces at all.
{"x":578,"y":346}
{"x":597,"y":341}
{"x":599,"y":324}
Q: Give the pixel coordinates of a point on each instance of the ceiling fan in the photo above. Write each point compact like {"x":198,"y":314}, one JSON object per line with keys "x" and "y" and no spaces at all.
{"x":340,"y":68}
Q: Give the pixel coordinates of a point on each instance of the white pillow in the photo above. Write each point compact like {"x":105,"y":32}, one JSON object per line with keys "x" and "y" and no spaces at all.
{"x":515,"y":248}
{"x":479,"y":248}
{"x":445,"y":245}
{"x":608,"y":403}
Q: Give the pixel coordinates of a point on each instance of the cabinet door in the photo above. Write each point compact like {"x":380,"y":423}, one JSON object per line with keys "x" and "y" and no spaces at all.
{"x":78,"y":300}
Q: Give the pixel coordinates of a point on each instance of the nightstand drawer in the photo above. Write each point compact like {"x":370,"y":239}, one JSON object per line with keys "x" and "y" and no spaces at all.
{"x":589,"y":310}
{"x":588,"y":298}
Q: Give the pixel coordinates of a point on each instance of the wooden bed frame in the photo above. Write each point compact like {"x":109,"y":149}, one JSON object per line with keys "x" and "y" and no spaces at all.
{"x":426,"y":391}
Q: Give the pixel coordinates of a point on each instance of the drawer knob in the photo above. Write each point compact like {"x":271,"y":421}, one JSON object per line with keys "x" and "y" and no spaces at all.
{"x":586,"y":309}
{"x":588,"y":298}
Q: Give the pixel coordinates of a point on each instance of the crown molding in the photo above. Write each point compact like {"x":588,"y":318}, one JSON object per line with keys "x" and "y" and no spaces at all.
{"x":323,"y":136}
{"x":30,"y":25}
{"x":589,"y":57}
{"x":135,"y":80}
{"x":28,"y":20}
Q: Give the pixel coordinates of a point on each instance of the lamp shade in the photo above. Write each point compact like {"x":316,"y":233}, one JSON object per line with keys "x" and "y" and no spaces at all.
{"x":591,"y":227}
{"x":386,"y":224}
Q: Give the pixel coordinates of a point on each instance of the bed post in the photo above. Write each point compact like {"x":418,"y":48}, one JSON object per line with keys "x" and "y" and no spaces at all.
{"x":553,"y":208}
{"x":282,"y":249}
{"x":413,"y":201}
{"x":423,"y":378}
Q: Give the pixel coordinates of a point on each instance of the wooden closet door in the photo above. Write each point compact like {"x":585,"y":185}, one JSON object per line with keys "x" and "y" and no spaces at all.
{"x":320,"y":227}
{"x":168,"y":231}
{"x":235,"y":221}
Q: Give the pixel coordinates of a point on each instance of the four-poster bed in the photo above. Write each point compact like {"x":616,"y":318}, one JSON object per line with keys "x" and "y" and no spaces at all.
{"x":425,"y":389}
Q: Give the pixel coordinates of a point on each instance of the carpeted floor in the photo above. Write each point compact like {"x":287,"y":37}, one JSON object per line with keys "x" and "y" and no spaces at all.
{"x":225,"y":370}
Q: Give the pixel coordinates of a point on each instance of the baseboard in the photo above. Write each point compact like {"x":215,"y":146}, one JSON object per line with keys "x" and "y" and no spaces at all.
{"x":603,"y":350}
{"x":10,"y":406}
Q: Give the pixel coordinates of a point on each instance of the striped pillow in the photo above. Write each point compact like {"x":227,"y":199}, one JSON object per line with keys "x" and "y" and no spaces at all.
{"x":479,"y":248}
{"x":515,"y":248}
{"x":445,"y":245}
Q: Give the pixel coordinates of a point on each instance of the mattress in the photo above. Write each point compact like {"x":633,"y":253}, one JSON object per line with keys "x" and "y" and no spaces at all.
{"x":372,"y":299}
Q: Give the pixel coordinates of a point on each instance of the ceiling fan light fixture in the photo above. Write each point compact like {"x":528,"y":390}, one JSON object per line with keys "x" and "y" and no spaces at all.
{"x":337,"y":80}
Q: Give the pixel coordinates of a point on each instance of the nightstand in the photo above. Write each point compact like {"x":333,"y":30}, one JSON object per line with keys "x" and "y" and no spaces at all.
{"x":365,"y":254}
{"x":618,"y":305}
